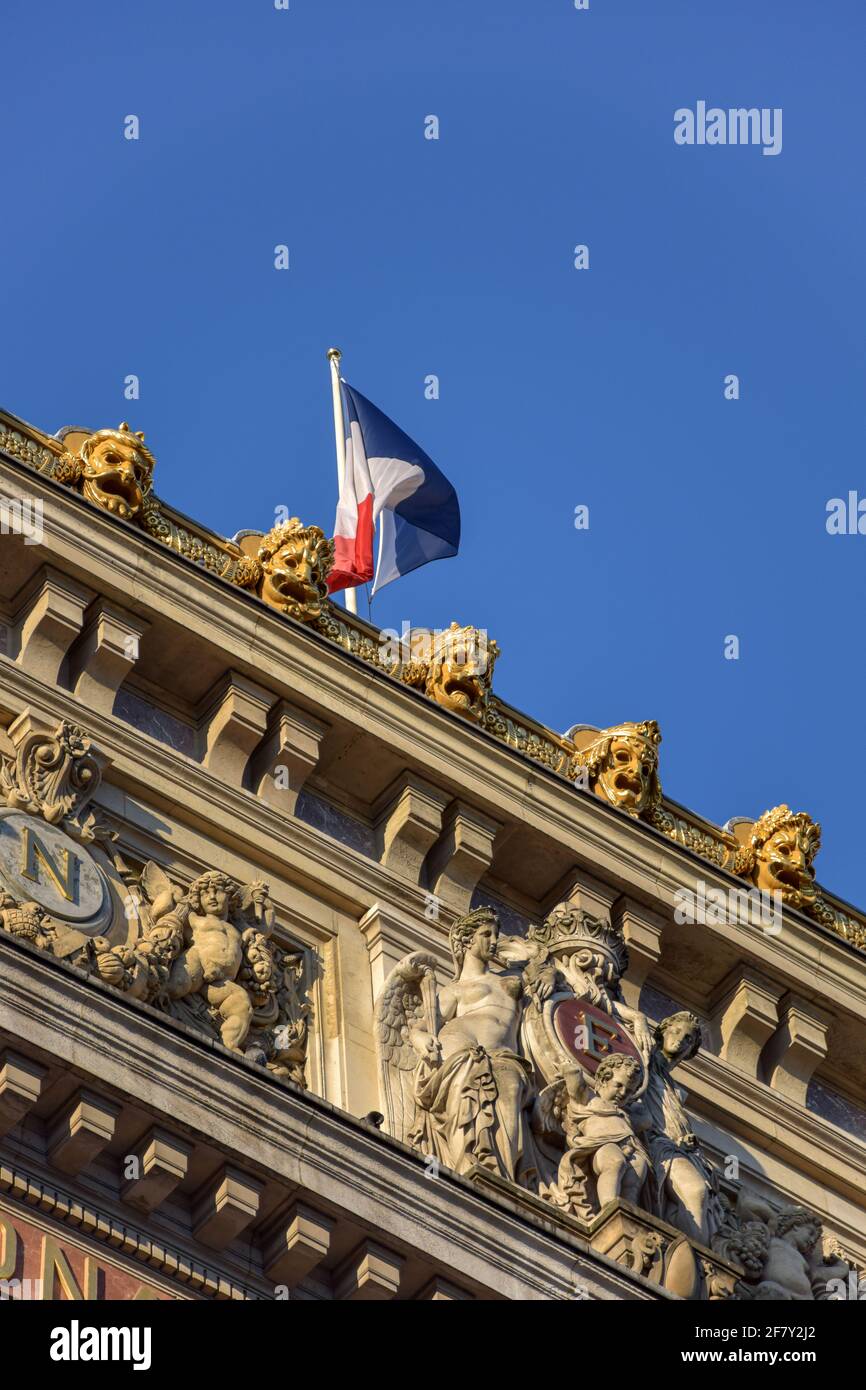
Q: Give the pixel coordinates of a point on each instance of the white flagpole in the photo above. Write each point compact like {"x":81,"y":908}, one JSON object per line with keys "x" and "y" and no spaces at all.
{"x":334,"y":357}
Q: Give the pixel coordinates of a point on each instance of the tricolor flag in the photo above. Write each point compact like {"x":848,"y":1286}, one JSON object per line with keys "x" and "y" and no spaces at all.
{"x":389,"y":479}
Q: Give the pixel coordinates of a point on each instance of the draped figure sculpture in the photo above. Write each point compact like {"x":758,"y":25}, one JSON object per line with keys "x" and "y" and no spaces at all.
{"x":454,"y":1083}
{"x":686,"y":1185}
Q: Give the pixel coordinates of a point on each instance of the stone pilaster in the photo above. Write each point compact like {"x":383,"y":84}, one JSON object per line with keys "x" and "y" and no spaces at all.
{"x":390,"y":935}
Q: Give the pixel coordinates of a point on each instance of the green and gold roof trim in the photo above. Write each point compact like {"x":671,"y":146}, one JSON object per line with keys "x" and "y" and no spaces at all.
{"x":287,"y":569}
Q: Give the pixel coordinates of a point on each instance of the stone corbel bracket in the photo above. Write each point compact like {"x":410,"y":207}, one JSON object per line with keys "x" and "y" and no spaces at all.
{"x":408,"y":818}
{"x":20,"y":1088}
{"x":161,"y":1162}
{"x":48,"y":617}
{"x":225,"y":1207}
{"x":287,"y":755}
{"x":461,"y":856}
{"x":371,"y":1274}
{"x":104,"y":655}
{"x":233,"y":720}
{"x":295,"y":1244}
{"x":797,"y":1048}
{"x":744,"y":1015}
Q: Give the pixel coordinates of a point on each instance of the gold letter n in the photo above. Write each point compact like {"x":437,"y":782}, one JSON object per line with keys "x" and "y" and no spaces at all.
{"x":34,"y":853}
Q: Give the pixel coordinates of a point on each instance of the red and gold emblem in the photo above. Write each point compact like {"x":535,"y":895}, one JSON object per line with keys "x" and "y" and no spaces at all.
{"x":589,"y":1034}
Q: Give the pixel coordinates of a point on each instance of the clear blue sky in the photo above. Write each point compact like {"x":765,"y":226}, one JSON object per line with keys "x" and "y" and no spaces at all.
{"x":558,"y":387}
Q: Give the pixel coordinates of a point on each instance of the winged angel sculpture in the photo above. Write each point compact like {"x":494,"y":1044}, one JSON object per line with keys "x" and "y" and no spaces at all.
{"x":453,"y":1081}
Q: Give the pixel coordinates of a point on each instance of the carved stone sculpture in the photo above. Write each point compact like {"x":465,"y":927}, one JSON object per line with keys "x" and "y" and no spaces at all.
{"x":202,"y":953}
{"x":686,"y":1185}
{"x":216,"y":945}
{"x":603,"y":1151}
{"x":454,"y":1082}
{"x":52,"y":776}
{"x":780,"y":1252}
{"x":28,"y":921}
{"x":584,"y":1019}
{"x":205,"y":955}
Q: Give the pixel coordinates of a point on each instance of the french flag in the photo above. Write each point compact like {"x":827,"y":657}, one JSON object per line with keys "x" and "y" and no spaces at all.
{"x":389,"y":479}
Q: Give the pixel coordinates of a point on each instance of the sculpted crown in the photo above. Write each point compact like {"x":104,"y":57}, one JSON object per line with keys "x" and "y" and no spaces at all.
{"x":567,"y":930}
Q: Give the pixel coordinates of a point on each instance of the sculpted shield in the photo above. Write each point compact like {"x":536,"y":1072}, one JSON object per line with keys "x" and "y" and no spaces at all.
{"x":589,"y":1034}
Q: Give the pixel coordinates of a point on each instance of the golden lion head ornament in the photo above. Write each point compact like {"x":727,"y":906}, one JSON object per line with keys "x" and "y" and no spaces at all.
{"x":779,"y":854}
{"x":117,"y":471}
{"x":295,"y":562}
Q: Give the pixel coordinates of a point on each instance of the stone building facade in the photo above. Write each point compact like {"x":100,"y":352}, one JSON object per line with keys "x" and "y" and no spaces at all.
{"x":327,"y":975}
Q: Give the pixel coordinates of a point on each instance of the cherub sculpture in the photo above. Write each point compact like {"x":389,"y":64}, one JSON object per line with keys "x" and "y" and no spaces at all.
{"x":218,"y":943}
{"x":780,"y":1252}
{"x":210,"y":942}
{"x":453,"y":1081}
{"x":602,"y":1143}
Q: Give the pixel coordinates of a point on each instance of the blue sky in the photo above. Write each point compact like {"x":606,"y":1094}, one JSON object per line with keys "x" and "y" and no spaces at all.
{"x":455,"y":257}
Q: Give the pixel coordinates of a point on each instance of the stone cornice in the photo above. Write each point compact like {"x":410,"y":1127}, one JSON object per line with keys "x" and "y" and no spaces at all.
{"x":745,"y":1107}
{"x":535,"y":744}
{"x":641,"y":860}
